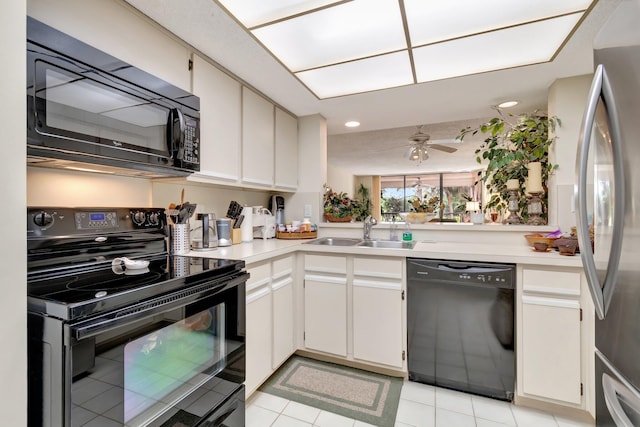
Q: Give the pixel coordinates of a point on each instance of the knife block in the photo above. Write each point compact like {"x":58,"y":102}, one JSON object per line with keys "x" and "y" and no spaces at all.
{"x":236,"y":236}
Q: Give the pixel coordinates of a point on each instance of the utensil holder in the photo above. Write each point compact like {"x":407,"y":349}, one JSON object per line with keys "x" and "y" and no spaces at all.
{"x":179,"y":239}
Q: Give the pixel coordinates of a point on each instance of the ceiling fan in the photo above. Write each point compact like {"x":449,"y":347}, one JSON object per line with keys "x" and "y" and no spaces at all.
{"x":419,"y":142}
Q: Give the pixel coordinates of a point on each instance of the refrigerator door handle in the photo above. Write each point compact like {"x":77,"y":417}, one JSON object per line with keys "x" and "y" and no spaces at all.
{"x":600,"y":292}
{"x":614,"y":392}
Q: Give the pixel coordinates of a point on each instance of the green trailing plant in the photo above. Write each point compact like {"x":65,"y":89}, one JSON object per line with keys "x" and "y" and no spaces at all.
{"x":513,"y":142}
{"x":362,"y":208}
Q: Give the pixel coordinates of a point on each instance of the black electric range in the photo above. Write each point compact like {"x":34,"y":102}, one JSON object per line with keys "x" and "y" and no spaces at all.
{"x":110,"y":309}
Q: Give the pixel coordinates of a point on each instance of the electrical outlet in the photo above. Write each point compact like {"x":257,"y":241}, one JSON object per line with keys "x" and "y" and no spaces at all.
{"x":307,"y":211}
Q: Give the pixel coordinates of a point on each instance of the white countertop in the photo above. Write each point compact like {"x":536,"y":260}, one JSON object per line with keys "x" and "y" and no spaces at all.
{"x":261,"y":249}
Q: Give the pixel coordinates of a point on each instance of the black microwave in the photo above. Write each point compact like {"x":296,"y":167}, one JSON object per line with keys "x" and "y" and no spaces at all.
{"x":90,"y":111}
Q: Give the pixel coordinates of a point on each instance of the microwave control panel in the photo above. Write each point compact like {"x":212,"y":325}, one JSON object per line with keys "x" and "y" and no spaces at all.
{"x":191,"y":142}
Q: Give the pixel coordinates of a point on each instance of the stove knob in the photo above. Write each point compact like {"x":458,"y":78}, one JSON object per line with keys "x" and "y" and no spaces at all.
{"x":43,"y":219}
{"x":139,"y":217}
{"x":153,"y":218}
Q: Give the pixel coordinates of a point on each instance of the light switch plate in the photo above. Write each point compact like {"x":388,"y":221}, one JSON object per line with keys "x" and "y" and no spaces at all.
{"x":307,"y":211}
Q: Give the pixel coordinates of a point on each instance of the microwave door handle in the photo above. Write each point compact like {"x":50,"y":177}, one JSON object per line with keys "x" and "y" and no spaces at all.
{"x":600,"y":293}
{"x":176,"y":140}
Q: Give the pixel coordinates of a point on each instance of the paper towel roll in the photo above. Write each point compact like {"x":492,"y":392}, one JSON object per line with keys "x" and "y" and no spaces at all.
{"x":247,"y":224}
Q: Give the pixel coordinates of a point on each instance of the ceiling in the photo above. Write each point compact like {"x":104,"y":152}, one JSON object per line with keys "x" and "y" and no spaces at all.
{"x":442,"y":106}
{"x":338,"y":48}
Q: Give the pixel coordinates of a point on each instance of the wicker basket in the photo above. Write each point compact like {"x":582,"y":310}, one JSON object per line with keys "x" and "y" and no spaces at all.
{"x":331,"y":218}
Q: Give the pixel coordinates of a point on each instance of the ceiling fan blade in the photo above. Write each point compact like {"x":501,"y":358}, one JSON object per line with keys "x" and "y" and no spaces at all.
{"x":444,"y":148}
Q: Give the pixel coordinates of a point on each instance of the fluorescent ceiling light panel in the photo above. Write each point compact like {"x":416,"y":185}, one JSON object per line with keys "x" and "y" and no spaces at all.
{"x":512,"y":47}
{"x":352,"y":30}
{"x":257,"y":12}
{"x":434,"y":21}
{"x":369,"y":74}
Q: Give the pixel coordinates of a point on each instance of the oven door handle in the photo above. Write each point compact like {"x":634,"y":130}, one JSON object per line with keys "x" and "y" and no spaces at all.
{"x":233,"y":403}
{"x":117,"y":318}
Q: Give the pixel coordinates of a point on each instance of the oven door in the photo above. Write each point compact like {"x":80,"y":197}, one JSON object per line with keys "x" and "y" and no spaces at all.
{"x":174,"y":360}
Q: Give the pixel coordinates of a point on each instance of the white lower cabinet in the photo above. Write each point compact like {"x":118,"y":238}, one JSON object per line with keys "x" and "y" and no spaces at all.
{"x":377,"y":310}
{"x":325,"y":320}
{"x":551,"y":348}
{"x":377,"y":323}
{"x":270,"y":314}
{"x":554,"y":350}
{"x":259,"y":326}
{"x":325,"y":304}
{"x":354,"y":307}
{"x":283,"y":310}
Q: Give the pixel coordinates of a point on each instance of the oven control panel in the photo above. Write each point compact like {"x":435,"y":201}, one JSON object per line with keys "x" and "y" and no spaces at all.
{"x":51,"y":221}
{"x":96,"y":220}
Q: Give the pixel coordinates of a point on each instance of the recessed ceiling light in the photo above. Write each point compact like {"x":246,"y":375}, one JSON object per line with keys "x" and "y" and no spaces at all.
{"x":507,"y":104}
{"x":352,"y":124}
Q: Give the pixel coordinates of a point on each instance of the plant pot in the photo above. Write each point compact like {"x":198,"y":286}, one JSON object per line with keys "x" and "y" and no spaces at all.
{"x":331,"y":218}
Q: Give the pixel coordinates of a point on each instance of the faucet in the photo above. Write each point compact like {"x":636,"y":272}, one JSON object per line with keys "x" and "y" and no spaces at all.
{"x":368,"y":223}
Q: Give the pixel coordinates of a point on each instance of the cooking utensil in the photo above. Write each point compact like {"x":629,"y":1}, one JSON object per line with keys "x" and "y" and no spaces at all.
{"x":185,"y":211}
{"x":238,"y":221}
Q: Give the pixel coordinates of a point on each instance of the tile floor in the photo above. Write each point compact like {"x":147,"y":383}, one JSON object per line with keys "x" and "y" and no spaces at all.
{"x":420,"y":406}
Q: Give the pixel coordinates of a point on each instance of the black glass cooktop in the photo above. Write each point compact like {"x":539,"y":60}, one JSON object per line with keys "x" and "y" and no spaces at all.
{"x":105,"y":286}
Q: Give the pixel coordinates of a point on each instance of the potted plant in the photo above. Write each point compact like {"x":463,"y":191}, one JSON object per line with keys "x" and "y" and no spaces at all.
{"x":513,"y":142}
{"x":362,"y":208}
{"x":337,"y":206}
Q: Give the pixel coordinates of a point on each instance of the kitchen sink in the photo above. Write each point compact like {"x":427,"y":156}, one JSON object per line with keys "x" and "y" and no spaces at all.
{"x":335,"y":241}
{"x":387,"y":244}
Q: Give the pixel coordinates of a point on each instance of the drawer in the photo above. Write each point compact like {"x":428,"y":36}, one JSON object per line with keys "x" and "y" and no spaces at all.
{"x":282,"y":267}
{"x":260,"y":275}
{"x":325,"y":264}
{"x":389,"y":268}
{"x":548,"y":281}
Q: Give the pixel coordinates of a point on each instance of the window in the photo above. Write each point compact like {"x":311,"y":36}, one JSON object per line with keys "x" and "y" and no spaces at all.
{"x":450,"y":188}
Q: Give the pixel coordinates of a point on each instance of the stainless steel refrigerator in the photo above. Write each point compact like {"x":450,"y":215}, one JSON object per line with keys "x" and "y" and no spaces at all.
{"x":608,"y":213}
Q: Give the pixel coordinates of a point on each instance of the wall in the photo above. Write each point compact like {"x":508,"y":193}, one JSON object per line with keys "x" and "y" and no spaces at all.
{"x":567,"y":98}
{"x":340,"y":180}
{"x":312,"y":169}
{"x":57,"y":187}
{"x":13,"y":306}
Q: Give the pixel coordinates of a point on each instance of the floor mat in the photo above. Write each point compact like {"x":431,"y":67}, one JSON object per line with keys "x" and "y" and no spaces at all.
{"x":354,"y":393}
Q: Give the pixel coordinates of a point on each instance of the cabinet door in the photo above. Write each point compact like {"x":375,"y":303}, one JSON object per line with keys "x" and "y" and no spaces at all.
{"x":257,"y":139}
{"x":325,"y":314}
{"x":377,"y":322}
{"x":220,"y":123}
{"x":551,"y":348}
{"x":258,"y":329}
{"x":286,"y":168}
{"x":283,"y":309}
{"x":282,"y":321}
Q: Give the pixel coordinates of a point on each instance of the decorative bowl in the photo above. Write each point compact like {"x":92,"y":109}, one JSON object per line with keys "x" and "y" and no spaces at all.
{"x":532,"y":238}
{"x":419,"y":217}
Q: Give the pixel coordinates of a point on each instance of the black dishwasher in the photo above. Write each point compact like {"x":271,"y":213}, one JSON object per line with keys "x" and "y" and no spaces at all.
{"x":461,"y":325}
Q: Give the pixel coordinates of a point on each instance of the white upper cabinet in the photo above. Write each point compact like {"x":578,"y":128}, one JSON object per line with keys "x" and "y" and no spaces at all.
{"x":258,"y":148}
{"x":220,"y":121}
{"x":286,"y":162}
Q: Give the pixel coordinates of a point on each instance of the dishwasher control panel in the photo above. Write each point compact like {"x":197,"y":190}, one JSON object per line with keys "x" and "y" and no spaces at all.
{"x":461,"y":272}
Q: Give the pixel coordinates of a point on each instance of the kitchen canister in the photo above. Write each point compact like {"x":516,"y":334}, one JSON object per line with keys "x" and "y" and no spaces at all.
{"x":247,"y":224}
{"x":179,"y":239}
